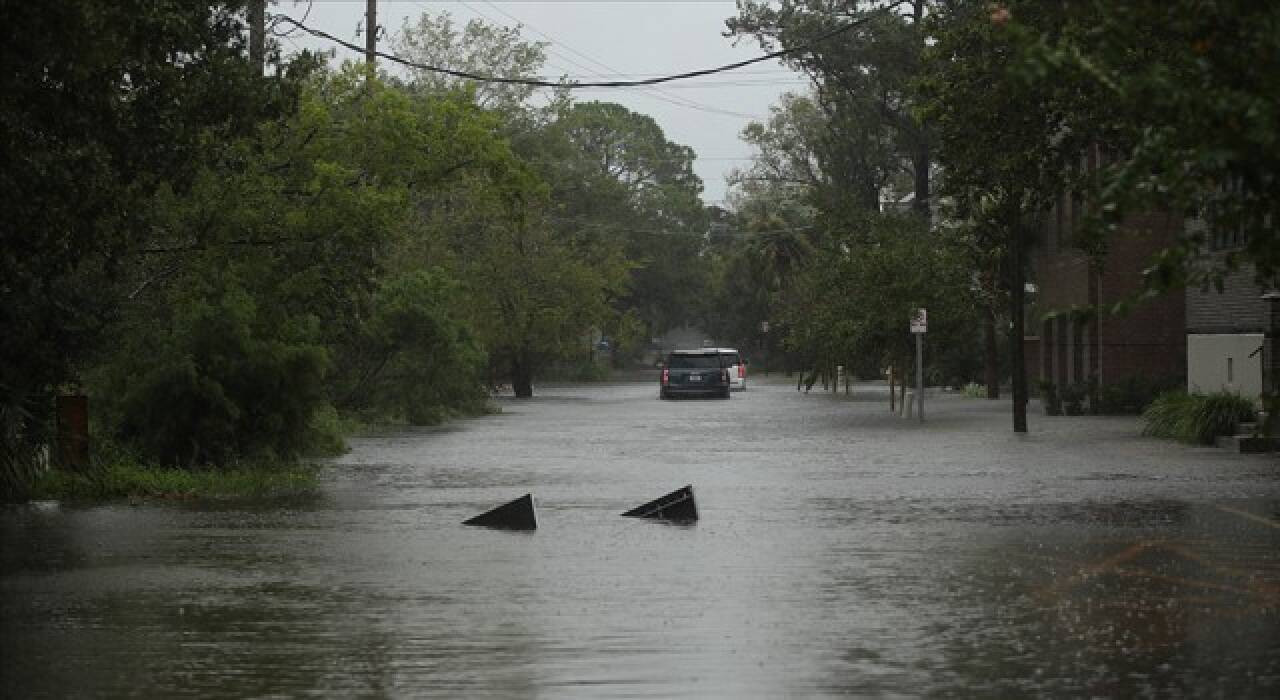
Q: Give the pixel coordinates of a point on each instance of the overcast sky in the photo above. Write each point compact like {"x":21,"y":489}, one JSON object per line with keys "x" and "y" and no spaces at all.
{"x":591,"y":38}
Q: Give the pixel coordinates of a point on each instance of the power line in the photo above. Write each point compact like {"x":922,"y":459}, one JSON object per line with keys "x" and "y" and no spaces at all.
{"x":775,"y":72}
{"x":653,"y":92}
{"x":715,"y":84}
{"x":286,"y":35}
{"x":584,"y":226}
{"x":542,"y":82}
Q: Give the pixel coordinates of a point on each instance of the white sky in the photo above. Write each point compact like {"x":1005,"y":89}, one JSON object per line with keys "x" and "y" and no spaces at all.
{"x":590,"y":38}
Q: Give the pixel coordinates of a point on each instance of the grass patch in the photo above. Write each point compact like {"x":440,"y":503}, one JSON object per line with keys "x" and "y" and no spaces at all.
{"x":1196,"y":418}
{"x":127,"y":480}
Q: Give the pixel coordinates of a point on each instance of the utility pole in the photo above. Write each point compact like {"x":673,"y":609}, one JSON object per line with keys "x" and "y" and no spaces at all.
{"x":371,"y":36}
{"x":258,"y":34}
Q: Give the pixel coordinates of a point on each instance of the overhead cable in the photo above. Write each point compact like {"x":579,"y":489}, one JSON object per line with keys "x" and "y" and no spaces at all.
{"x":542,"y":82}
{"x":656,"y":93}
{"x":585,"y":226}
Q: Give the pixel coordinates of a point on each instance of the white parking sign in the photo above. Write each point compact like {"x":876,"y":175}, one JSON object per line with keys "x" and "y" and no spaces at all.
{"x":920,"y":323}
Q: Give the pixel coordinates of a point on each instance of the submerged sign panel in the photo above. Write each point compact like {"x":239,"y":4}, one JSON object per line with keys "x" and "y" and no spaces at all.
{"x":677,"y":506}
{"x":516,"y":515}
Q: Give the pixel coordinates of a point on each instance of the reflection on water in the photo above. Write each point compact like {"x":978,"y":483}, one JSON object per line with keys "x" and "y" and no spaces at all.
{"x":839,"y":552}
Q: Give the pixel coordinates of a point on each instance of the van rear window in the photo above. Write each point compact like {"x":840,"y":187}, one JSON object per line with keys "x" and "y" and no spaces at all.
{"x":731,"y":358}
{"x":710,"y":361}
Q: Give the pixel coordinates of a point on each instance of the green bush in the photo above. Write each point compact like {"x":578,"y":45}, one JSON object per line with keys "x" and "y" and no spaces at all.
{"x":21,"y":438}
{"x":130,"y":480}
{"x":227,"y":381}
{"x":412,"y":361}
{"x":1073,"y":398}
{"x":1196,"y":418}
{"x":1049,"y":398}
{"x":1131,"y":395}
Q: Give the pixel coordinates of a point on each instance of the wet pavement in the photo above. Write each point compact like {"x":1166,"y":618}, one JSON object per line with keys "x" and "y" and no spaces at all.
{"x":840,"y":551}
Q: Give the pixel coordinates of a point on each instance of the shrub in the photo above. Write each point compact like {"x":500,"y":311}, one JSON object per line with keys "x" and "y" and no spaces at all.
{"x":224,"y":382}
{"x":131,"y":480}
{"x":1072,"y":397}
{"x":1196,"y":418}
{"x":413,"y":360}
{"x":1049,"y":398}
{"x":1131,"y":395}
{"x":20,"y":451}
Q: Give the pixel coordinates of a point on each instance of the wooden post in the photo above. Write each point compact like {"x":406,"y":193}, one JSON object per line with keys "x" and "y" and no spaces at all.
{"x":73,"y":432}
{"x":920,"y":375}
{"x":892,"y":404}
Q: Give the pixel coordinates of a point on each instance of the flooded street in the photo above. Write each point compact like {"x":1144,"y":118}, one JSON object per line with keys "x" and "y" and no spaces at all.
{"x":840,"y":551}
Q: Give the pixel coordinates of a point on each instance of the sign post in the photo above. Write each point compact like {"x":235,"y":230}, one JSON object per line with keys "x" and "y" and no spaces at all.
{"x":919,"y":326}
{"x":764,"y":343}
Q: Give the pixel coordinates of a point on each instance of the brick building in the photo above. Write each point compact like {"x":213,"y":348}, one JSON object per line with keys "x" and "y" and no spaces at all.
{"x":1075,"y":343}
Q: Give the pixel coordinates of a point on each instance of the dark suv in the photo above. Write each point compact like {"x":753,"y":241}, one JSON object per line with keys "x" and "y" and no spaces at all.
{"x":695,"y":373}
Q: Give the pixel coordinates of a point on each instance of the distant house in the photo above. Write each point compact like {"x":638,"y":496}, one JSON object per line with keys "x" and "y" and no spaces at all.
{"x":1075,"y":342}
{"x":1226,"y":329}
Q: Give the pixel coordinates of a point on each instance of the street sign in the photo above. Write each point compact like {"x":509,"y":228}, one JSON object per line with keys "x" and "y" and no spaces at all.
{"x":920,"y":323}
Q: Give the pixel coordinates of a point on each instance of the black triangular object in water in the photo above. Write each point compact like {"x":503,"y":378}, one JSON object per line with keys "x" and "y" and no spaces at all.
{"x":677,"y":505}
{"x":516,"y":515}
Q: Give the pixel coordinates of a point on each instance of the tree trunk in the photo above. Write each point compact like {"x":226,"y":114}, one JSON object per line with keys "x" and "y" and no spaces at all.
{"x":521,"y":378}
{"x":892,"y":404}
{"x":1094,"y":368}
{"x":1016,"y":356}
{"x":991,"y":360}
{"x":920,"y":170}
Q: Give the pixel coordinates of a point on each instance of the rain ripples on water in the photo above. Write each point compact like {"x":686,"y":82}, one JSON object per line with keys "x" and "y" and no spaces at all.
{"x":840,"y":551}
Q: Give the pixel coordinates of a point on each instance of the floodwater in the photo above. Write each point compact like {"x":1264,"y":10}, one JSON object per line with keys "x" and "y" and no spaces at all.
{"x":840,"y":551}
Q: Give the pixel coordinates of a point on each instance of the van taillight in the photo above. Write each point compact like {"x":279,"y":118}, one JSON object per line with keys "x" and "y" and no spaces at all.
{"x":666,"y":375}
{"x":742,"y":371}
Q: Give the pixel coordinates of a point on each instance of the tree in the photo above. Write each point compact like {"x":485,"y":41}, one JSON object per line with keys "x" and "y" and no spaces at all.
{"x":612,"y":184}
{"x":834,"y":158}
{"x":533,"y":297}
{"x":871,"y":278}
{"x":240,"y":290}
{"x":863,"y":79}
{"x":276,"y":287}
{"x":416,"y":358}
{"x":615,"y":177}
{"x":104,"y":104}
{"x":478,"y":48}
{"x":1003,"y":143}
{"x":1182,"y":94}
